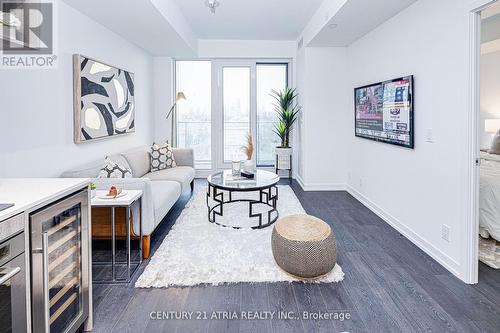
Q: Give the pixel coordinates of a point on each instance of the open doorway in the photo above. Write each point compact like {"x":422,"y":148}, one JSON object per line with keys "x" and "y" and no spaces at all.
{"x":489,"y":144}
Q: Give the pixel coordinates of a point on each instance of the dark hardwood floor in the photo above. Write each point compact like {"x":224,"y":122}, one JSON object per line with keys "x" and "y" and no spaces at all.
{"x":390,"y":286}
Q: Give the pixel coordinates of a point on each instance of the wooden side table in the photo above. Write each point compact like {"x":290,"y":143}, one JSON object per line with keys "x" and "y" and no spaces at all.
{"x":126,"y":201}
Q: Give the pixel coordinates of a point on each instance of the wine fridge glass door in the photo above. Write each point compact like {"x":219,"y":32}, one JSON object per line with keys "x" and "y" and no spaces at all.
{"x":59,"y":293}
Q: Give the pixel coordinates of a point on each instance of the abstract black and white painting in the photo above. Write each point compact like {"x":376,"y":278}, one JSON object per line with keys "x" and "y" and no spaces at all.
{"x":104,"y":100}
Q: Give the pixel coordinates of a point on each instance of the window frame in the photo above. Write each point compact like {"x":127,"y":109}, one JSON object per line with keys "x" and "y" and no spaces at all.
{"x":287,"y":79}
{"x":217,"y":99}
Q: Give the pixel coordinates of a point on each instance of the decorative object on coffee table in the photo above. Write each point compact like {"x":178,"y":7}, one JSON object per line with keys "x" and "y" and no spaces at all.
{"x":104,"y":100}
{"x":235,"y":167}
{"x":287,"y":110}
{"x":304,"y":246}
{"x":249,"y":164}
{"x":223,"y":188}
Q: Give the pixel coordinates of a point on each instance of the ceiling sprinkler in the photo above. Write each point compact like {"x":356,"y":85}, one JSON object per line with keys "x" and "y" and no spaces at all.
{"x":212,"y":4}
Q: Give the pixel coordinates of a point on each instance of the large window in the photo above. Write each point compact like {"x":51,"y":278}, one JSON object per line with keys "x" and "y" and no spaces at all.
{"x":236,"y":108}
{"x":269,"y":77}
{"x":226,"y":100}
{"x":194,"y":115}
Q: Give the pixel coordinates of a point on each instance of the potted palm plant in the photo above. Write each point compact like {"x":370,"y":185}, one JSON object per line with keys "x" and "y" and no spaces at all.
{"x":287,"y":110}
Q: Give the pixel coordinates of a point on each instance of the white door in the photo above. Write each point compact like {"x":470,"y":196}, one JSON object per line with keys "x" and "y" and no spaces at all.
{"x":236,"y":102}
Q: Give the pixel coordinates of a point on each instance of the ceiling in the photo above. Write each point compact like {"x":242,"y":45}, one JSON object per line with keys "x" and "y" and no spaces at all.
{"x":135,"y":19}
{"x":244,"y":19}
{"x":355,"y":19}
{"x":173,"y":27}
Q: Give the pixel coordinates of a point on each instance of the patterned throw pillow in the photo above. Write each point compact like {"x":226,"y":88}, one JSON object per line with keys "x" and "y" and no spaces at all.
{"x":113,"y":170}
{"x":162,"y":157}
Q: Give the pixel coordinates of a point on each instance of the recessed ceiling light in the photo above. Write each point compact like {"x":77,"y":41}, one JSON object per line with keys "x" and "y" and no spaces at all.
{"x":332,"y":25}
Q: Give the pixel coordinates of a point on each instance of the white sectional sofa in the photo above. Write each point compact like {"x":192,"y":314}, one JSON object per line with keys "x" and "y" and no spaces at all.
{"x":161,"y":188}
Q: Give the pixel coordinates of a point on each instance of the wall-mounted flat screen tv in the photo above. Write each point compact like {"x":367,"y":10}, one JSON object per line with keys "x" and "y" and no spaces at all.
{"x":384,"y":112}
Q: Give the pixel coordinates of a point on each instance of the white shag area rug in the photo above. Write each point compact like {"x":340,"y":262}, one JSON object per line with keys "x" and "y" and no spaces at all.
{"x":489,"y":252}
{"x":196,"y":251}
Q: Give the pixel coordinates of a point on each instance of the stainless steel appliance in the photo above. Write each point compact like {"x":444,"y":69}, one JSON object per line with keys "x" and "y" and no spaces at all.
{"x":60,"y":265}
{"x":13,"y":285}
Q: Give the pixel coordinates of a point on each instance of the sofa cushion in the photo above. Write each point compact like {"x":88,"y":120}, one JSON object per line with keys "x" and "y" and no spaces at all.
{"x":138,"y":159}
{"x":182,"y":174}
{"x":165,"y":195}
{"x":113,"y":169}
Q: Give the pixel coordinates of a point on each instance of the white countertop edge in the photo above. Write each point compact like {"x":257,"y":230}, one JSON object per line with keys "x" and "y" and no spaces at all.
{"x":128,"y":199}
{"x":62,"y":187}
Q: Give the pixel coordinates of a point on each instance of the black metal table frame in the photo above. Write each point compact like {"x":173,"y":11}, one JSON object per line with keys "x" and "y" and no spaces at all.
{"x":128,"y":262}
{"x":217,"y":194}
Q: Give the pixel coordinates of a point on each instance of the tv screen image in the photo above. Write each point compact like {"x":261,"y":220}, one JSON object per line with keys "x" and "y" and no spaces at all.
{"x":384,"y":111}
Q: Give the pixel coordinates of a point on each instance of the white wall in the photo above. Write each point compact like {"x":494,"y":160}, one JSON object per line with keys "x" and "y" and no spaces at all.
{"x":163,"y":91}
{"x":323,"y":83}
{"x":36,"y":128}
{"x":490,"y":93}
{"x":300,"y":84}
{"x":216,"y":48}
{"x":419,"y":190}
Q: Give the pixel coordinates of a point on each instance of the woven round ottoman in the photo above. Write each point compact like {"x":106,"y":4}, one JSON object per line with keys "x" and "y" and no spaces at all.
{"x":304,"y":246}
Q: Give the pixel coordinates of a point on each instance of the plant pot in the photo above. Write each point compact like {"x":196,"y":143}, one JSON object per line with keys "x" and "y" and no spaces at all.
{"x":92,"y":194}
{"x":284,"y":158}
{"x":280,"y":151}
{"x":249,"y":166}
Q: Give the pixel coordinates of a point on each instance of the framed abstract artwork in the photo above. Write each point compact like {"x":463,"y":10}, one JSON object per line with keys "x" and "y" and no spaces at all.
{"x":104,"y":104}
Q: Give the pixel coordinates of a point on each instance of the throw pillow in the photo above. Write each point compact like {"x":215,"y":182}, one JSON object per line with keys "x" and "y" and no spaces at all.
{"x":495,"y":144}
{"x":112,"y":169}
{"x":162,"y":157}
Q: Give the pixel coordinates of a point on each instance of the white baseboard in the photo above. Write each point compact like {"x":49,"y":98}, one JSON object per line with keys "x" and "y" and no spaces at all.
{"x":320,"y":186}
{"x":424,"y":245}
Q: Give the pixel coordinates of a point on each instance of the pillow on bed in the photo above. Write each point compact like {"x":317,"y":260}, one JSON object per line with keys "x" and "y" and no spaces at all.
{"x":490,"y":157}
{"x":495,"y":144}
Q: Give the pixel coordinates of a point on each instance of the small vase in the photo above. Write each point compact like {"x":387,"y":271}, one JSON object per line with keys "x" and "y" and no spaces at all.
{"x":92,"y":194}
{"x":235,"y":168}
{"x":249,"y":166}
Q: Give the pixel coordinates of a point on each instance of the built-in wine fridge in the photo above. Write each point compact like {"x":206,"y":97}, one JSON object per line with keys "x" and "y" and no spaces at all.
{"x":60,"y":269}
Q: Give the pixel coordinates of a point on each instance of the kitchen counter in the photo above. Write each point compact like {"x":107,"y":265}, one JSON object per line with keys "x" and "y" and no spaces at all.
{"x":27,"y":193}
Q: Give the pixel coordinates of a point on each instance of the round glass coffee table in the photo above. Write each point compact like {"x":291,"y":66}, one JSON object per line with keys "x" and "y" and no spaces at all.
{"x":224,"y":189}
